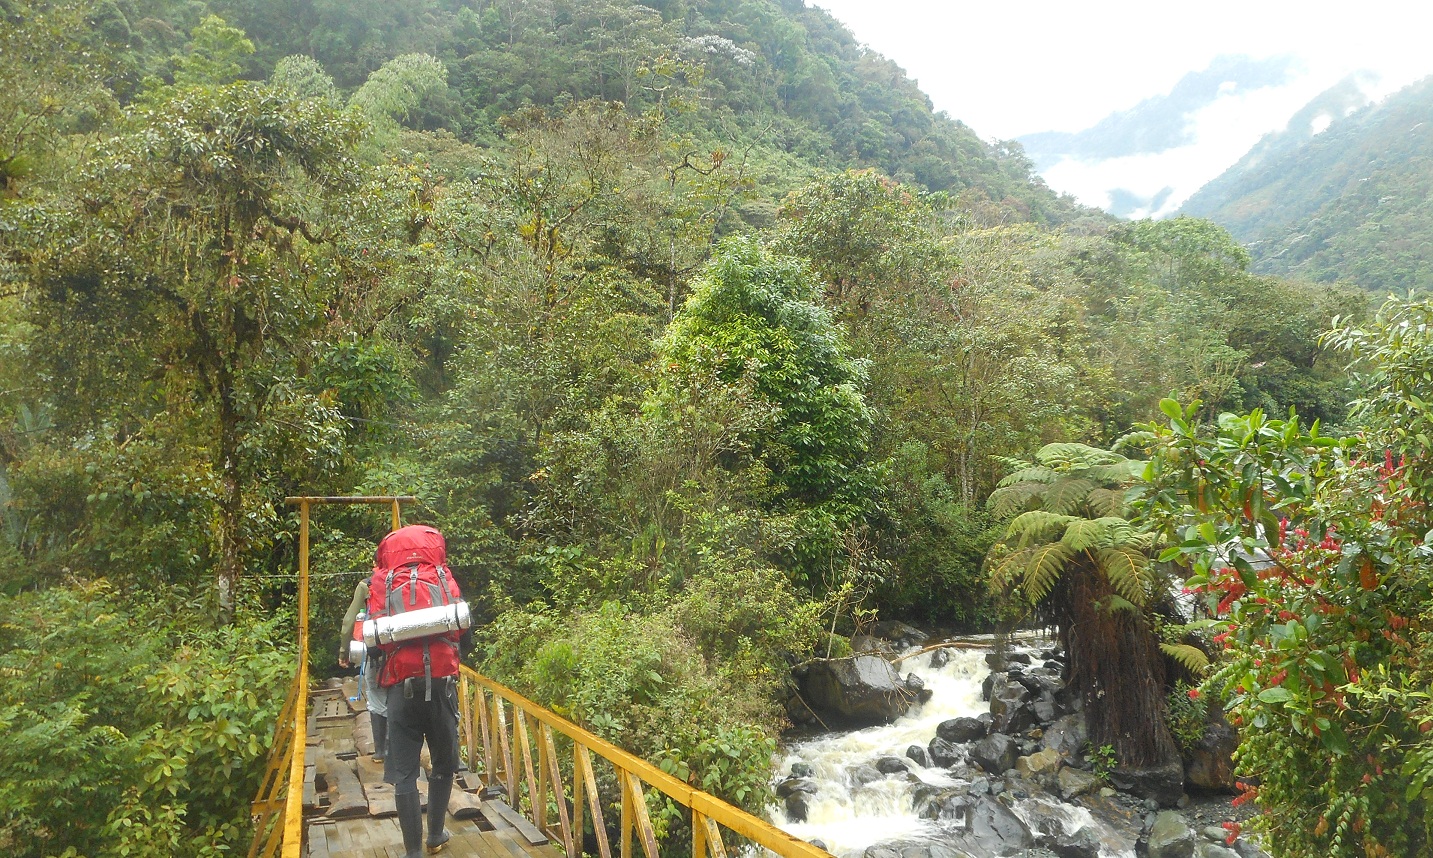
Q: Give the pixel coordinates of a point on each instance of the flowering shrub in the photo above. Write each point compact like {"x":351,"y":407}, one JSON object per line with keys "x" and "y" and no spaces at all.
{"x":1307,"y":556}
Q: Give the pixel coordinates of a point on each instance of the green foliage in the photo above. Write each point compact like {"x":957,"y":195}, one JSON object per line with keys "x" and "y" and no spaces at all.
{"x":215,"y":55}
{"x":1188,"y":713}
{"x":1308,"y":552}
{"x":127,"y":734}
{"x":751,"y":317}
{"x":639,"y":681}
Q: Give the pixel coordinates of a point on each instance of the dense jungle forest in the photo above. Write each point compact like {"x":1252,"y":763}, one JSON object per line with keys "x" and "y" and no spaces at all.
{"x":703,"y":339}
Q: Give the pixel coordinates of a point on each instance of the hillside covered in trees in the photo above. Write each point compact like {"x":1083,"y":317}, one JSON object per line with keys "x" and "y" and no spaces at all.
{"x":1349,"y":203}
{"x":701,"y":337}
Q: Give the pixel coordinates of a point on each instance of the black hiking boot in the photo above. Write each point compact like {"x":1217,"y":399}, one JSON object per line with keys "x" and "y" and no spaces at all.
{"x":410,"y":821}
{"x":439,"y":788}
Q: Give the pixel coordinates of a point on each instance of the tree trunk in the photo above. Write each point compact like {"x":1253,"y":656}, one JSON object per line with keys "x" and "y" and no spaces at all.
{"x":231,"y":503}
{"x":1116,"y":665}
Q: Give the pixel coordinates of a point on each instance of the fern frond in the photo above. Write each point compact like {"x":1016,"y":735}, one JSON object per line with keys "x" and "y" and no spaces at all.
{"x":1007,"y":501}
{"x":1038,"y":526}
{"x":1009,"y":569}
{"x":1046,"y":564}
{"x":1140,"y":440}
{"x":1029,"y":474}
{"x":1067,"y":495}
{"x":1127,"y":570}
{"x":1190,"y":657}
{"x":1106,"y":501}
{"x":1083,"y":534}
{"x":1120,"y":472}
{"x":1120,"y":603}
{"x":1067,"y":456}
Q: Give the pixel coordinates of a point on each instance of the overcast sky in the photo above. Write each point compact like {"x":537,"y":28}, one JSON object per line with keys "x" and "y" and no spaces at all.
{"x":1007,"y":69}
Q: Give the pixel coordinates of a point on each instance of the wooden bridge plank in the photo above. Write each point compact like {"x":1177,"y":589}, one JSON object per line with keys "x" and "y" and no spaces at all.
{"x":529,"y":832}
{"x":350,"y":800}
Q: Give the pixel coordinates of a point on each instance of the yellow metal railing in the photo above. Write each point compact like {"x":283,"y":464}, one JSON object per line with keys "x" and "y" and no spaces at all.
{"x":500,"y":729}
{"x":277,"y":810}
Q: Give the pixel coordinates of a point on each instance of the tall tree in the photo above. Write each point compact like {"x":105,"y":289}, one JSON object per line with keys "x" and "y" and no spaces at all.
{"x":184,"y":267}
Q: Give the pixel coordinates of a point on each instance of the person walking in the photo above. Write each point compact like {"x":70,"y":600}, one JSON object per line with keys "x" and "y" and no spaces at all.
{"x":375,"y":696}
{"x":420,"y":675}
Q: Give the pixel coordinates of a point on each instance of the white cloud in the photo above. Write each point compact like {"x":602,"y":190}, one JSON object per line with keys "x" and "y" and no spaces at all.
{"x":1053,"y":65}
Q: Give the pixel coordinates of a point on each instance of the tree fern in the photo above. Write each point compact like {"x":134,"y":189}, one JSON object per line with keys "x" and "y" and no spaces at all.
{"x":1044,"y":567}
{"x":1104,"y":501}
{"x":1029,"y":474}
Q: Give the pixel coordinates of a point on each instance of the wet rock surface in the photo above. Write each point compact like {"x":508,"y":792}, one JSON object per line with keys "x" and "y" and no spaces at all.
{"x":1023,"y":783}
{"x":860,"y":691}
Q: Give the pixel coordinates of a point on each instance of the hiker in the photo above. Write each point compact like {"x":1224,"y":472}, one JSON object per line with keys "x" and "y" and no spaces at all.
{"x":368,"y":683}
{"x":410,"y":581}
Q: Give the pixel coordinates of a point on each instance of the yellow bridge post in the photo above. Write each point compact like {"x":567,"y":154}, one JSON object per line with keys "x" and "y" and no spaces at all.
{"x":278,"y":822}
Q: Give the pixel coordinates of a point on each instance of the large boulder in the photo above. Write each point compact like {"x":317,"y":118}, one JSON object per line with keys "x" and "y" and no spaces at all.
{"x":1072,"y":782}
{"x":914,"y":849}
{"x":860,"y":691}
{"x":1210,"y":765}
{"x":1164,"y":784}
{"x":995,"y":753}
{"x":918,"y":755}
{"x":995,"y":829}
{"x":1170,"y":837}
{"x":1040,"y":766}
{"x":961,"y":730}
{"x":899,"y":633}
{"x":1084,"y":843}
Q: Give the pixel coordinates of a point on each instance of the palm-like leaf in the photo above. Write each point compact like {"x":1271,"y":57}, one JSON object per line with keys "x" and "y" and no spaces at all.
{"x":1066,"y":495}
{"x":1069,"y":456}
{"x":1128,"y":569}
{"x":1043,"y":568}
{"x":1105,"y":501}
{"x":1010,"y":568}
{"x":1009,"y":500}
{"x":1030,"y":474}
{"x":1191,"y":657}
{"x":1037,"y":526}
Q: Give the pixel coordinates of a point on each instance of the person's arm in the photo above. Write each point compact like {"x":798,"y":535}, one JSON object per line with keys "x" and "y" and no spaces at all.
{"x":360,"y":599}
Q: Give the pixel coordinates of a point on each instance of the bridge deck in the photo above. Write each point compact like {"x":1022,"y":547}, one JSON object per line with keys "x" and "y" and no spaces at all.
{"x":349,"y":812}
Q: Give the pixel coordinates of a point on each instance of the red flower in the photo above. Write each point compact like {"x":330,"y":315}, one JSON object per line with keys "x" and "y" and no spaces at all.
{"x":1194,"y":694}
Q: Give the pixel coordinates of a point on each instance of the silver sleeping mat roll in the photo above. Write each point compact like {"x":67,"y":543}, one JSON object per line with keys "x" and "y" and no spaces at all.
{"x":436,"y":620}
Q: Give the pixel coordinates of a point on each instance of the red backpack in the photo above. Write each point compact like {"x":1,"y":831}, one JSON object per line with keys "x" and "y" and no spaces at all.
{"x":410,"y":573}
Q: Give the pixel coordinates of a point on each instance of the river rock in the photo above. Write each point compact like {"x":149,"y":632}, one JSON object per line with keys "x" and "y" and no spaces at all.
{"x":802,"y":770}
{"x":1214,"y":850}
{"x":793,"y":786}
{"x":1072,"y":782}
{"x":1040,"y":766}
{"x":859,"y":776}
{"x":960,"y":730}
{"x":1170,"y":837}
{"x":860,"y":691}
{"x":1210,"y":765}
{"x":943,"y":753}
{"x":1164,"y":784}
{"x":899,"y":633}
{"x":870,"y":644}
{"x":1000,"y":661}
{"x":920,"y":756}
{"x":1084,"y":843}
{"x":798,"y":806}
{"x":995,"y":829}
{"x":947,"y":806}
{"x":939,"y":658}
{"x":892,"y":765}
{"x":915,"y":686}
{"x":1067,"y":736}
{"x":995,"y":753}
{"x":913,"y":849}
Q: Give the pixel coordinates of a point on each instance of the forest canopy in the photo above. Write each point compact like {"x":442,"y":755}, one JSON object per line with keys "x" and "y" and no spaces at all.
{"x":694,"y":328}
